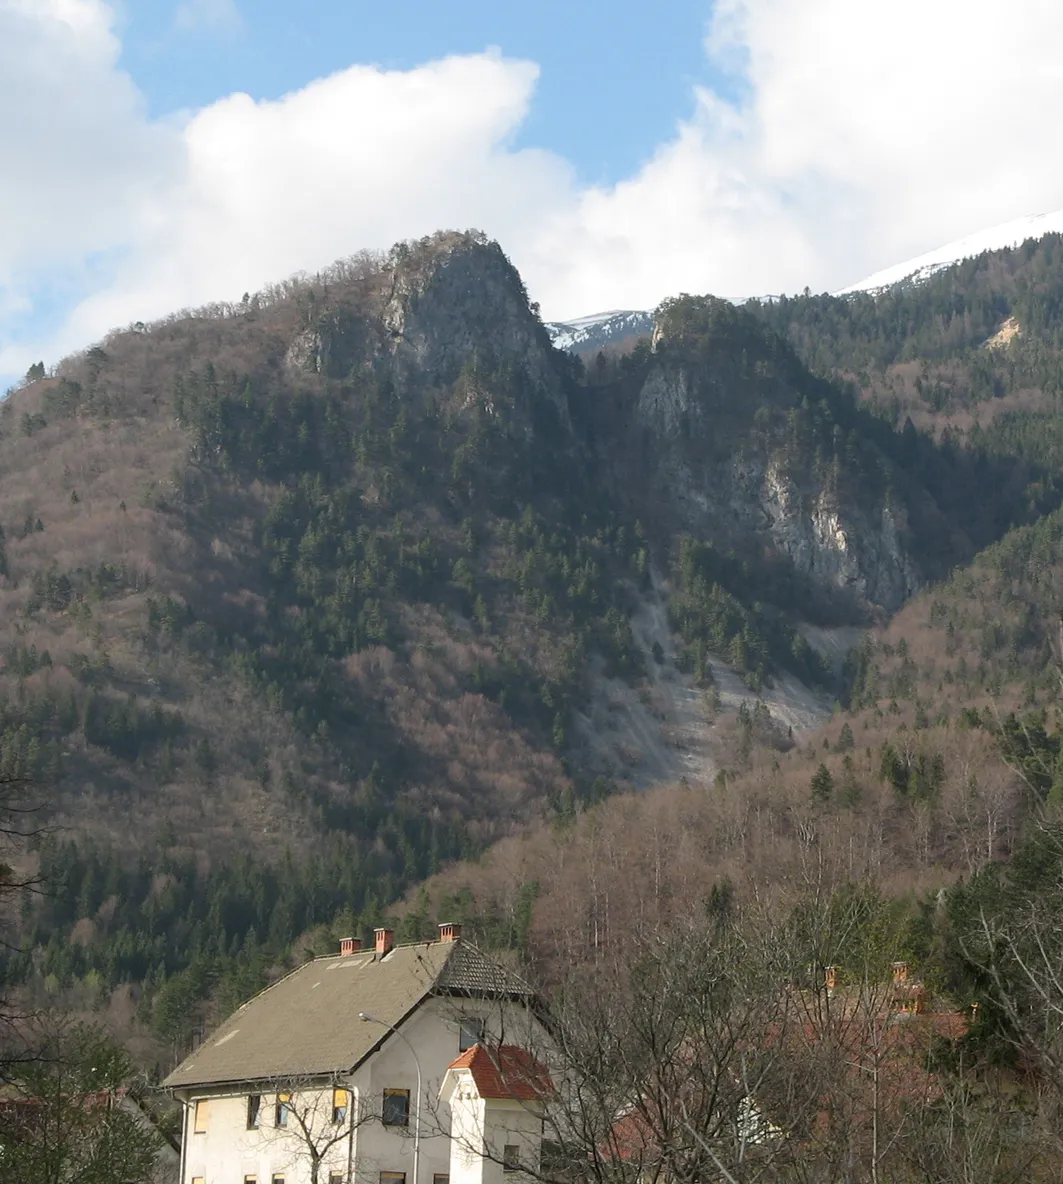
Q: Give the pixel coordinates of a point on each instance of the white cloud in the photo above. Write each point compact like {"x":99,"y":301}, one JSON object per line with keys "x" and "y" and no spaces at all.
{"x":867,"y":132}
{"x":362,"y":158}
{"x":215,"y":15}
{"x":80,"y":161}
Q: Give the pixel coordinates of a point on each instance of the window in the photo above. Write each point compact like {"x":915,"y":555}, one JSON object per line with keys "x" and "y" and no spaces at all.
{"x":341,"y":1100}
{"x":278,"y":1180}
{"x":254,"y":1111}
{"x":511,"y":1158}
{"x":284,"y":1104}
{"x":335,"y":1178}
{"x":197,"y":1180}
{"x":441,"y":1178}
{"x":472,"y":1032}
{"x":250,"y":1180}
{"x":396,"y":1110}
{"x":199,"y":1126}
{"x":392,"y":1178}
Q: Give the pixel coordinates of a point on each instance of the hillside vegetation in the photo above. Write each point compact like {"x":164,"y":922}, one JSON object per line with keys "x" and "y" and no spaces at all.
{"x":308,"y":598}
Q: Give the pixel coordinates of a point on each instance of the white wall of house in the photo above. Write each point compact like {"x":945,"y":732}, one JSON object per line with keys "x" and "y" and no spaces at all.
{"x":482,"y":1130}
{"x":227,"y":1151}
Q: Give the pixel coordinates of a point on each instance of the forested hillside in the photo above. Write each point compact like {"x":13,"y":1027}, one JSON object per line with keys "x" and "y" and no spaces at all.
{"x":308,"y":599}
{"x":972,"y":354}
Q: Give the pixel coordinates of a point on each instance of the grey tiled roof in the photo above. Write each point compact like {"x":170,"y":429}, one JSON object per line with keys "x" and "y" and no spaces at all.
{"x":469,"y":972}
{"x":307,"y":1024}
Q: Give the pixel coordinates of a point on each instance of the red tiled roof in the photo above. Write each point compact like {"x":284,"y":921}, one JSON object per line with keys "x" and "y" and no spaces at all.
{"x":631,"y":1138}
{"x":506,"y":1072}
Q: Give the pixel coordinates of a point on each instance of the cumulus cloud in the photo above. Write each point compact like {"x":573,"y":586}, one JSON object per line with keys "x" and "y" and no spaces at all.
{"x":81,"y":164}
{"x":917,"y":119}
{"x":362,"y":158}
{"x":864,"y":133}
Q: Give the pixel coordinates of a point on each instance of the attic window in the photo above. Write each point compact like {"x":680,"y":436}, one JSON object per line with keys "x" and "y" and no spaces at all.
{"x":511,"y":1158}
{"x":254,"y":1111}
{"x":472,"y":1032}
{"x":392,"y":1178}
{"x":396,"y":1110}
{"x":281,"y":1110}
{"x":199,"y":1126}
{"x":340,"y":1104}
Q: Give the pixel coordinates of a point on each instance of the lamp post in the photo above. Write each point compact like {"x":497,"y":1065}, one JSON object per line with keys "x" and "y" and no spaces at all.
{"x":371,"y":1019}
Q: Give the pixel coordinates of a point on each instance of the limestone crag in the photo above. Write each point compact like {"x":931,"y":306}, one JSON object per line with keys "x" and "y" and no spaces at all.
{"x":836,"y":545}
{"x":452,"y":307}
{"x":459,"y":302}
{"x":723,"y":479}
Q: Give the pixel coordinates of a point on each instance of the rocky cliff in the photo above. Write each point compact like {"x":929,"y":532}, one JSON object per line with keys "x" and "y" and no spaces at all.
{"x":721,"y":415}
{"x":739,"y":443}
{"x":448,"y":314}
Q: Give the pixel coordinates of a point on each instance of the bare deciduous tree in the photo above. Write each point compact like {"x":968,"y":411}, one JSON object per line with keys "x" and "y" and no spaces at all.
{"x":312,"y":1122}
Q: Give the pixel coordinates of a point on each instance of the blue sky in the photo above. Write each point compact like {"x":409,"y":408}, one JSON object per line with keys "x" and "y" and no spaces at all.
{"x":163,"y":154}
{"x":615,"y":77}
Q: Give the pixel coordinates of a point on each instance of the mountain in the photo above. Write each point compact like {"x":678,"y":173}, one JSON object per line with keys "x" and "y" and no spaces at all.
{"x":360,"y":555}
{"x":972,"y":356}
{"x":995,"y":238}
{"x":585,"y":336}
{"x":309,"y":597}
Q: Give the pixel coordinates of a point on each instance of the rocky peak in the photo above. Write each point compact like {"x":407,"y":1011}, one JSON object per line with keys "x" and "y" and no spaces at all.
{"x":457,"y":302}
{"x":452,"y":307}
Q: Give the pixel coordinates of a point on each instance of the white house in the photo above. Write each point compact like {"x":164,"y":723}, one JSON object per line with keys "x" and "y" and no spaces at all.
{"x":396,"y":1065}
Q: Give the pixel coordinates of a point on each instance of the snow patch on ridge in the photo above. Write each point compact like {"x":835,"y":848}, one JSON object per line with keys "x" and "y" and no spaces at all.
{"x":995,"y":238}
{"x":599,"y":329}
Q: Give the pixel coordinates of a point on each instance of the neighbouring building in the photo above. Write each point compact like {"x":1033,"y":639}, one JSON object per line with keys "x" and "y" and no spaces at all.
{"x":405,"y":1064}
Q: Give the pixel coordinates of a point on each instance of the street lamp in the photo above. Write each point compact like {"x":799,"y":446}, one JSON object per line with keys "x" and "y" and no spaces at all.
{"x":371,"y":1019}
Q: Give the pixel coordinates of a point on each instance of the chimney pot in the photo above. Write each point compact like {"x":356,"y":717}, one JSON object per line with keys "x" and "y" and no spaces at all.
{"x":448,"y":931}
{"x":350,"y":945}
{"x":385,"y":939}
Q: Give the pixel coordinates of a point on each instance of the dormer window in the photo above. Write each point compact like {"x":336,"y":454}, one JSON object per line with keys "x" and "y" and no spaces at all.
{"x":472,"y":1032}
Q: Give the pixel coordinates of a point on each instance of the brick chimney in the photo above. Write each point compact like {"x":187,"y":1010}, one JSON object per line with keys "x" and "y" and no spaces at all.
{"x":448,"y":931}
{"x":385,"y":939}
{"x":900,"y":973}
{"x":350,"y":945}
{"x":830,"y":977}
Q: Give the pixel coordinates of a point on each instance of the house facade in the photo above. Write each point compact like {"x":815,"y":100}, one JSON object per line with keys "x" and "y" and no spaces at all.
{"x":355,"y":1069}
